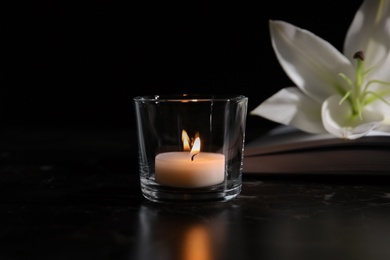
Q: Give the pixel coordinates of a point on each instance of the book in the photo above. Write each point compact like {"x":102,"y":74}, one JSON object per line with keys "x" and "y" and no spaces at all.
{"x":287,"y":150}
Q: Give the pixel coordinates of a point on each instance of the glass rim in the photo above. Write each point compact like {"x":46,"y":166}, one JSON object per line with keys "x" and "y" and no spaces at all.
{"x":189,"y":97}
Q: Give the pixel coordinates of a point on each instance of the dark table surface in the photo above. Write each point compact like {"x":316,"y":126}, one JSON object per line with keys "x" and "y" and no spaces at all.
{"x":74,"y":194}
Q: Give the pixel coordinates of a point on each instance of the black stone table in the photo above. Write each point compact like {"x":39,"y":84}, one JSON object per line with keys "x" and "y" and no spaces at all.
{"x":74,"y":194}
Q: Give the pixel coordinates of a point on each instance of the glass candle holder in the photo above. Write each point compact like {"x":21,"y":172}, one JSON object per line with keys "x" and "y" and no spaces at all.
{"x":191,"y":146}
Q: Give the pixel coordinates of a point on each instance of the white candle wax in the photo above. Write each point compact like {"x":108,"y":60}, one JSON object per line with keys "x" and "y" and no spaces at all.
{"x":178,"y":170}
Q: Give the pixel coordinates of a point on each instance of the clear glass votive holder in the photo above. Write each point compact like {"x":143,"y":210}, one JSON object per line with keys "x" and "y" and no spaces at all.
{"x":190,"y":146}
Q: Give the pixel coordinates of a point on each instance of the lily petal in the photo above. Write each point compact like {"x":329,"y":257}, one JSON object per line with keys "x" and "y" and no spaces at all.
{"x":290,"y":106}
{"x":385,"y":110}
{"x":370,"y":32}
{"x":312,"y":63}
{"x":338,"y":120}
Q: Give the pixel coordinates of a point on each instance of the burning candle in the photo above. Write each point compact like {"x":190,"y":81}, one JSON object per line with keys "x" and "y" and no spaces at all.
{"x":189,"y":169}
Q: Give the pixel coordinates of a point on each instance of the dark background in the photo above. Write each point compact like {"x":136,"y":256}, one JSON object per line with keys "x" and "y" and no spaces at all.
{"x":79,"y":64}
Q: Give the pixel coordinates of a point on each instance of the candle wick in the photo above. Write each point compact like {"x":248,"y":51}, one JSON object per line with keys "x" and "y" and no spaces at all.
{"x":192,"y":157}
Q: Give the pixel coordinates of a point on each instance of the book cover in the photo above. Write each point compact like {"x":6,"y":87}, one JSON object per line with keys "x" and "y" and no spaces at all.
{"x":286,"y":150}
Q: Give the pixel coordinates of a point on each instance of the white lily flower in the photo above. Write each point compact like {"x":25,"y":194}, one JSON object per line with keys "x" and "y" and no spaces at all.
{"x":346,"y":94}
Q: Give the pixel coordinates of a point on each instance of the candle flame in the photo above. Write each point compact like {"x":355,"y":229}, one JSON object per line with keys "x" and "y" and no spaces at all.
{"x":186,"y":140}
{"x":187,"y":144}
{"x":195,"y":149}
